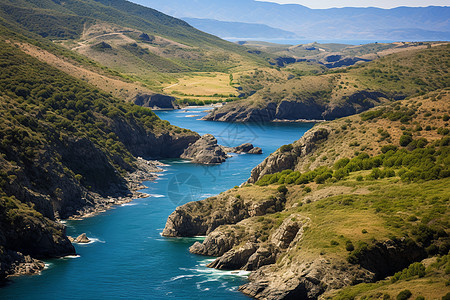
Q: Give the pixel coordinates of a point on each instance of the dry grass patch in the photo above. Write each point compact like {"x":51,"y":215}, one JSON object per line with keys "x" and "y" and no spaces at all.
{"x":202,"y":84}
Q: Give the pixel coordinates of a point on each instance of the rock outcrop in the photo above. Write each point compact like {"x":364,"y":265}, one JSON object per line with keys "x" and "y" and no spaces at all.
{"x":279,"y":160}
{"x":216,"y":244}
{"x":312,"y":109}
{"x":207,"y":151}
{"x":82,"y":239}
{"x":234,"y":259}
{"x":307,"y":279}
{"x":202,"y":217}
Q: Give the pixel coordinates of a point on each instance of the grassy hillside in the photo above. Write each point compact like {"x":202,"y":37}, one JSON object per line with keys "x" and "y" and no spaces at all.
{"x":140,"y":43}
{"x":361,"y":198}
{"x":344,"y":91}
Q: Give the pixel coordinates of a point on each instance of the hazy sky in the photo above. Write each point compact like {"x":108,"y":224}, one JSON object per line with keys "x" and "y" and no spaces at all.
{"x":363,"y":3}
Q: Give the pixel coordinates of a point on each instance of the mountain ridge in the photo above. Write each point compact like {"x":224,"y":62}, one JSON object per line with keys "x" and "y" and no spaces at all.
{"x":334,"y":23}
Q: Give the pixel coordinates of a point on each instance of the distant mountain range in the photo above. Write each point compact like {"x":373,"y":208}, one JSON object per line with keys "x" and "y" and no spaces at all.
{"x":402,"y":23}
{"x":239,"y":29}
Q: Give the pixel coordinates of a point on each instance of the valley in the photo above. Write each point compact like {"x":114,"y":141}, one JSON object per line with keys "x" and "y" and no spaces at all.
{"x":199,"y":167}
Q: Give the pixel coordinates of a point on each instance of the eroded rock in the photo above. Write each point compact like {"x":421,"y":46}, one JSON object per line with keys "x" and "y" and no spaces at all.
{"x":235,"y":258}
{"x":82,"y":239}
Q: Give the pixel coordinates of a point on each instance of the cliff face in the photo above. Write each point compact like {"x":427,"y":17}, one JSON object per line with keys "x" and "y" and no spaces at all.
{"x":202,"y":217}
{"x":300,"y":109}
{"x":283,"y":160}
{"x":281,"y":269}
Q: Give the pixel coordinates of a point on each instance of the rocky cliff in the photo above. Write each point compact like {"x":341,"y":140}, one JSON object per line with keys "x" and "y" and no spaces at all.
{"x":298,"y":109}
{"x":288,"y":157}
{"x":311,"y":223}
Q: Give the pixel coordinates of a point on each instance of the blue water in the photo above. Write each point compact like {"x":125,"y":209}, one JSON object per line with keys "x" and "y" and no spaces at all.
{"x":128,"y":258}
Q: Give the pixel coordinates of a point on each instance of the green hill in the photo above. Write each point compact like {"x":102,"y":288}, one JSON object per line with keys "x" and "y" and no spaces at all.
{"x":341,"y":92}
{"x":145,"y":45}
{"x":334,"y":214}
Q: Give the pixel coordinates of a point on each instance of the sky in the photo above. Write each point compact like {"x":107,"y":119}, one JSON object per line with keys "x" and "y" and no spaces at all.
{"x":363,"y":3}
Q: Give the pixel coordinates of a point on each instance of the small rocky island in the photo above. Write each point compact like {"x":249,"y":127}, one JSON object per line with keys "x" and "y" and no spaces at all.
{"x":207,"y":151}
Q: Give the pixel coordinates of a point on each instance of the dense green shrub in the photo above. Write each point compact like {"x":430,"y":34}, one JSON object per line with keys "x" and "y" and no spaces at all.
{"x":286,"y":148}
{"x":405,"y":140}
{"x":404,"y":295}
{"x":415,"y":269}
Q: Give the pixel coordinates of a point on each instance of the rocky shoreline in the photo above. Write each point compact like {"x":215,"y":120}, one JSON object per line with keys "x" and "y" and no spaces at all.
{"x":20,"y":264}
{"x":145,"y":171}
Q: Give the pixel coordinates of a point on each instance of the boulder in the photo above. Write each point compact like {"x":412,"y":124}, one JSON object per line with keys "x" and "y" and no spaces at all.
{"x":82,"y":239}
{"x":265,"y":255}
{"x":217,"y":243}
{"x":205,"y":151}
{"x":244,"y":148}
{"x":286,"y":233}
{"x":255,"y":150}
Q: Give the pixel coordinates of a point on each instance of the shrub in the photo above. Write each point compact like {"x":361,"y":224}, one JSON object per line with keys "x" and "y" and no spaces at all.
{"x":340,"y":173}
{"x":387,"y":148}
{"x":404,"y":295}
{"x":286,"y":148}
{"x":405,"y":140}
{"x":282,"y":189}
{"x":307,"y":189}
{"x":349,"y":246}
{"x":341,"y":163}
{"x":415,"y":269}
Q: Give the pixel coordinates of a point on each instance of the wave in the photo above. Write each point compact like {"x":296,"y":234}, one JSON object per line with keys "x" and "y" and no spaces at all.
{"x":183,"y":276}
{"x":157,"y":195}
{"x":129,"y":204}
{"x":184,"y":161}
{"x":71,"y":256}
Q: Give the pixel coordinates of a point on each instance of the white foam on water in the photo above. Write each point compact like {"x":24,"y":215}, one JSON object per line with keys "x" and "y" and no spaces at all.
{"x":92,"y":241}
{"x":182,"y":277}
{"x":156,"y":196}
{"x":184,"y":161}
{"x":129,"y":204}
{"x":96,"y":240}
{"x":71,"y":256}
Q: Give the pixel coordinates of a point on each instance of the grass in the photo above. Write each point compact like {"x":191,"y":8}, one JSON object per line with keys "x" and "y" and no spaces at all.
{"x":212,"y":84}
